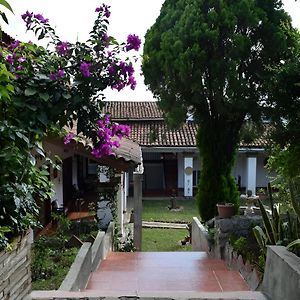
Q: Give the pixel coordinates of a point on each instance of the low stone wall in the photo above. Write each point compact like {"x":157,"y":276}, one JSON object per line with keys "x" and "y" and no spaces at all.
{"x":15,"y":272}
{"x":282,"y":274}
{"x":235,"y":226}
{"x":217,"y":245}
{"x":87,"y":260}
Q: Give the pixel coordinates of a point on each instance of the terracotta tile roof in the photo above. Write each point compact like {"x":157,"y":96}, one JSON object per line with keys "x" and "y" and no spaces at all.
{"x":149,"y":129}
{"x":128,"y":110}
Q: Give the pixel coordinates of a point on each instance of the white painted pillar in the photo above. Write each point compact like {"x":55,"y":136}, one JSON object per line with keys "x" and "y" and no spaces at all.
{"x":126,"y":185}
{"x":251,"y":174}
{"x":74,"y":171}
{"x":120,"y":203}
{"x":188,"y":176}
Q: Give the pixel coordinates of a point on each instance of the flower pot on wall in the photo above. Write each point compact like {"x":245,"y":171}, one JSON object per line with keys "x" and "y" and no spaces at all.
{"x":226,"y":210}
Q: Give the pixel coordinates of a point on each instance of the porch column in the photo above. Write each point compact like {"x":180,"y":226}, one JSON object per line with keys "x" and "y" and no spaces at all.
{"x":120,"y":203}
{"x":188,"y":176}
{"x":74,"y":171}
{"x":251,"y":174}
{"x":138,"y":209}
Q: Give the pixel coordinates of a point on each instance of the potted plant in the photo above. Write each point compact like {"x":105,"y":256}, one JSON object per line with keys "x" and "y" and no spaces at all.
{"x":225,"y":210}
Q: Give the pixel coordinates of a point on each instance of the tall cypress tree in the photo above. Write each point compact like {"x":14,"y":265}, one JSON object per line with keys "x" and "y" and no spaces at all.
{"x":213,"y":58}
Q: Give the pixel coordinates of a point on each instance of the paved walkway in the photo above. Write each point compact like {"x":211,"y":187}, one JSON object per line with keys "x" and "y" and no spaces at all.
{"x":164,"y":225}
{"x":137,"y":273}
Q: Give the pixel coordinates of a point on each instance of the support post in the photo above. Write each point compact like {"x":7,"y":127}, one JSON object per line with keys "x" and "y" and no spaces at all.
{"x":251,"y":174}
{"x":138,"y":209}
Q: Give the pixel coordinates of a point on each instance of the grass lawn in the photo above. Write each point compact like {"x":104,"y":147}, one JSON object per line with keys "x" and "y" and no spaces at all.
{"x":164,"y":240}
{"x":157,"y":210}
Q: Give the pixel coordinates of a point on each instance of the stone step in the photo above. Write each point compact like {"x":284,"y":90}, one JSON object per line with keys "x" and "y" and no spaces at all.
{"x":96,"y":295}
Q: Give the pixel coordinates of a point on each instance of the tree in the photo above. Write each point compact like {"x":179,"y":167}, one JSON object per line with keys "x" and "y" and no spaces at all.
{"x":213,"y":58}
{"x":41,"y":92}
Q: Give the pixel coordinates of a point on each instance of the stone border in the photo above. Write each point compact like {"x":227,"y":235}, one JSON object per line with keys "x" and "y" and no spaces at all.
{"x":87,"y":260}
{"x":282,"y":274}
{"x":154,"y":295}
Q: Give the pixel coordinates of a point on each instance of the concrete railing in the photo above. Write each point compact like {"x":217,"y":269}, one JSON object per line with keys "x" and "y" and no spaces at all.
{"x":282,"y":274}
{"x":199,"y":236}
{"x":87,"y":260}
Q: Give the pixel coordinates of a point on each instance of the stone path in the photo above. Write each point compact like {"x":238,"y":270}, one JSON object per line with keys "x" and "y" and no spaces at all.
{"x":148,"y":224}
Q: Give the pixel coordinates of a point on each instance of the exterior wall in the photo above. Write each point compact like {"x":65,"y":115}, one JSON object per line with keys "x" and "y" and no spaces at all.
{"x":240,"y":169}
{"x":57,"y":180}
{"x":15,"y":273}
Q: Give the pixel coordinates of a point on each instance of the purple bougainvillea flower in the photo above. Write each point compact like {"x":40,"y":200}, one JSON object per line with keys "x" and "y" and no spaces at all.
{"x":133,"y":42}
{"x":60,"y":73}
{"x":10,"y":59}
{"x":69,"y":137}
{"x":132,"y":82}
{"x":27,"y":17}
{"x":21,"y":59}
{"x":14,"y":45}
{"x":41,"y":18}
{"x":85,"y":69}
{"x":62,"y":48}
{"x":105,"y":9}
{"x":111,"y":70}
{"x":19,"y":68}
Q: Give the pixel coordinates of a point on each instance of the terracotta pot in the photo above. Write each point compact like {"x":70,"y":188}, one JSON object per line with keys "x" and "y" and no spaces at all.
{"x":225,"y":210}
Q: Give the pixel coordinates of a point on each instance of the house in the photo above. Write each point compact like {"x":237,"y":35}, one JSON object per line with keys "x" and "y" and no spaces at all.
{"x":76,"y":183}
{"x":170,"y":157}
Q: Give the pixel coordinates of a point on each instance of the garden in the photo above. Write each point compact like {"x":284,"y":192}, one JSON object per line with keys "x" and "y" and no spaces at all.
{"x":168,"y":239}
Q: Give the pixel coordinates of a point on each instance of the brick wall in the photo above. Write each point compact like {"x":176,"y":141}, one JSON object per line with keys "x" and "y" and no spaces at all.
{"x":15,"y":273}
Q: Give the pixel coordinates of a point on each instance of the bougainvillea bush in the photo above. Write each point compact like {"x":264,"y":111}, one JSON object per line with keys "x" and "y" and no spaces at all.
{"x":44,"y":90}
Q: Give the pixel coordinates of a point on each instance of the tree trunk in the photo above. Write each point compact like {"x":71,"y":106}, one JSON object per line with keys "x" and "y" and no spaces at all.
{"x":217,"y":142}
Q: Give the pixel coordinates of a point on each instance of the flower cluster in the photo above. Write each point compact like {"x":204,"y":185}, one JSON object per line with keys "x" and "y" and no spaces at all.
{"x":85,"y":69}
{"x":104,"y":9}
{"x":70,"y":136}
{"x":124,"y":73}
{"x":108,"y":136}
{"x":59,"y":74}
{"x":133,"y":42}
{"x":29,"y":16}
{"x":62,"y":48}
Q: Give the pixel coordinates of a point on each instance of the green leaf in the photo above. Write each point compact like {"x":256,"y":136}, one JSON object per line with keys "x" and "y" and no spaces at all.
{"x":32,"y":159}
{"x":293,"y":244}
{"x":6,"y":4}
{"x":30,"y":92}
{"x":3,"y":15}
{"x":44,"y":96}
{"x":66,"y":96}
{"x":267,"y":224}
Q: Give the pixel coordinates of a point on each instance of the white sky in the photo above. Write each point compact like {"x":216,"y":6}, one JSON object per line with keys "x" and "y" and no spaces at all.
{"x":74,"y":19}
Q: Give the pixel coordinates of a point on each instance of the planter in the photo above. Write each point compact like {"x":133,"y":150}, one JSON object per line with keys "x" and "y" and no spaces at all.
{"x":226,"y":210}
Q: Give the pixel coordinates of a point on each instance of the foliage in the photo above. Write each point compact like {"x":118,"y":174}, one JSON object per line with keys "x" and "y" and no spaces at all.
{"x":125,"y":244}
{"x":214,"y":60}
{"x":50,"y":263}
{"x":277,"y":230}
{"x":43,"y":90}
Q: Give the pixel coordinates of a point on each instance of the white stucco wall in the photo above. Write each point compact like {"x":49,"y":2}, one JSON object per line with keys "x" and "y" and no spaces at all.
{"x":52,"y":151}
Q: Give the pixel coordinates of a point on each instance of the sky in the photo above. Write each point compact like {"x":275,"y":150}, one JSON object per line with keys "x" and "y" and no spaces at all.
{"x":73,"y":21}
